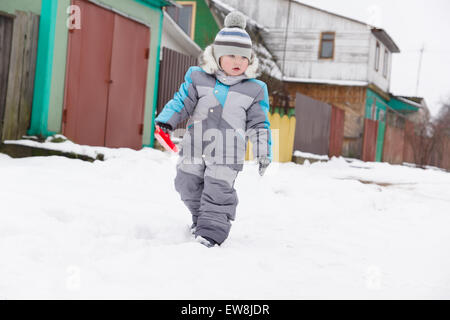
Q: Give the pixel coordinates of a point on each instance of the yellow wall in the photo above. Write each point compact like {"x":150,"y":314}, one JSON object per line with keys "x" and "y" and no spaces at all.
{"x":283,"y":133}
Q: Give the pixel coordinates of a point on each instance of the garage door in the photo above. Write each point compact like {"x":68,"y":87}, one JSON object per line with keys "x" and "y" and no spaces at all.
{"x":106,"y":79}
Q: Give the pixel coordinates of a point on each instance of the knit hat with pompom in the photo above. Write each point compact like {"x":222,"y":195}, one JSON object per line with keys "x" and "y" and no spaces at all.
{"x":233,"y":39}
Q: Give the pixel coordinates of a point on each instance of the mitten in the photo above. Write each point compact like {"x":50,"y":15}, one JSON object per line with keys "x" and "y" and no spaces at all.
{"x":263,"y":163}
{"x":165,"y":127}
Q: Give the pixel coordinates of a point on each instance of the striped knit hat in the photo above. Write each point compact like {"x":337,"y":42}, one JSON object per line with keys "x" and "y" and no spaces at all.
{"x":233,"y":39}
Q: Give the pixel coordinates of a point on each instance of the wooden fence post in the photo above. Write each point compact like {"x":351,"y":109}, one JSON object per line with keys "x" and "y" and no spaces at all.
{"x":28,"y":74}
{"x":19,"y":93}
{"x":6,"y":29}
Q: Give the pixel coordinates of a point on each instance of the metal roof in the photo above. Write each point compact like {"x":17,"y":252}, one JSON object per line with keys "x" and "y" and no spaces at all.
{"x":384,"y":37}
{"x":172,"y":28}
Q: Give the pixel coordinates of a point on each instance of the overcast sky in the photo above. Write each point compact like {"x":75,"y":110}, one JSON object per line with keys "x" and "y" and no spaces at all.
{"x":411,"y":24}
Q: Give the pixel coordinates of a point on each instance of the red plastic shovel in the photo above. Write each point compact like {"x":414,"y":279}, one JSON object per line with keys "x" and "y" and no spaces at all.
{"x":164,"y":139}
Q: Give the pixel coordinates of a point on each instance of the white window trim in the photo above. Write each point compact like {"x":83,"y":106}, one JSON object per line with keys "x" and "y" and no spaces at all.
{"x":377,"y":56}
{"x":386,"y":63}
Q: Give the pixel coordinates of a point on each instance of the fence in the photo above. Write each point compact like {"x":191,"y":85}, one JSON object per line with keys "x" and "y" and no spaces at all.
{"x":442,"y":156}
{"x":319,"y":128}
{"x":401,"y":144}
{"x":6,"y":28}
{"x":17,"y":71}
{"x":313,"y":125}
{"x":173,"y":67}
{"x":370,"y":140}
{"x":408,"y":151}
{"x":336,"y":131}
{"x":393,"y":146}
{"x":353,"y":135}
{"x":283,"y":133}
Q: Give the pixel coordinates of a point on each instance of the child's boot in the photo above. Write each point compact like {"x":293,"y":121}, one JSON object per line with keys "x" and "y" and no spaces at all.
{"x":207,"y":242}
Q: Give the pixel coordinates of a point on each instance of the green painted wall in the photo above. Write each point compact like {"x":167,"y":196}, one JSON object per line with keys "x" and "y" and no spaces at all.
{"x":380,"y":141}
{"x":380,"y":105}
{"x":205,"y":26}
{"x":393,"y":103}
{"x":59,"y":68}
{"x":44,"y":68}
{"x":11,"y":6}
{"x":139,"y":10}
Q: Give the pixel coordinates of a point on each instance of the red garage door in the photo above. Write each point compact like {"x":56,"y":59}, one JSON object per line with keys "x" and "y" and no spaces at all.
{"x":106,"y":79}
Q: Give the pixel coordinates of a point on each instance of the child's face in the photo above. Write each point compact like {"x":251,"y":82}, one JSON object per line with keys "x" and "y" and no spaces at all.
{"x":233,"y":65}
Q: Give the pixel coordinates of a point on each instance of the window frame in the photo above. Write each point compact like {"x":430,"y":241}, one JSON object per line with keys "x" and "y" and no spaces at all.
{"x":385,"y":63}
{"x":377,"y":56}
{"x":321,"y":43}
{"x":193,"y":17}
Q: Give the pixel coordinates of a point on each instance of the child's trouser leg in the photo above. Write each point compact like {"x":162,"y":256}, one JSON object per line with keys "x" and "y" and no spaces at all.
{"x":218,"y":203}
{"x":189,"y":184}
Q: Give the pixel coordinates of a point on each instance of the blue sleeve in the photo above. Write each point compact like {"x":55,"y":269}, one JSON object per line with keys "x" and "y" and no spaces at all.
{"x":182,"y":104}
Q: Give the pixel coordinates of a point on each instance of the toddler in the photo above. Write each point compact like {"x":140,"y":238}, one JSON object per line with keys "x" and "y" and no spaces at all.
{"x":225,"y":106}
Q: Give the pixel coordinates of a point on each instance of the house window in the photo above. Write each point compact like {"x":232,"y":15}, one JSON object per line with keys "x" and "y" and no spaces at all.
{"x":184,"y":16}
{"x":326,"y":50}
{"x":385,"y":63}
{"x":377,"y":57}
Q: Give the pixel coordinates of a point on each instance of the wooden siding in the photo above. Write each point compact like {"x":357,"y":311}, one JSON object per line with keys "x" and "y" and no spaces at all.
{"x":21,"y":72}
{"x":376,"y":76}
{"x":6,"y":28}
{"x":352,"y":99}
{"x":352,"y":42}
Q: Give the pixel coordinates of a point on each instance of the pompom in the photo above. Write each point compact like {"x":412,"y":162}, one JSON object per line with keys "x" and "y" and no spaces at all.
{"x":235,"y":19}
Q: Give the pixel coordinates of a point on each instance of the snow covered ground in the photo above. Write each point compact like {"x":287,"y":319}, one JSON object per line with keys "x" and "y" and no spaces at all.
{"x":117,"y":229}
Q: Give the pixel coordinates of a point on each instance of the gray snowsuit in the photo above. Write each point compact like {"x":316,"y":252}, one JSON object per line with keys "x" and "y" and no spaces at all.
{"x":223,"y":112}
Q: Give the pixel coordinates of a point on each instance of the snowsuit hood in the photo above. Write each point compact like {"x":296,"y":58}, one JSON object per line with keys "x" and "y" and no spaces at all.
{"x":209,"y":64}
